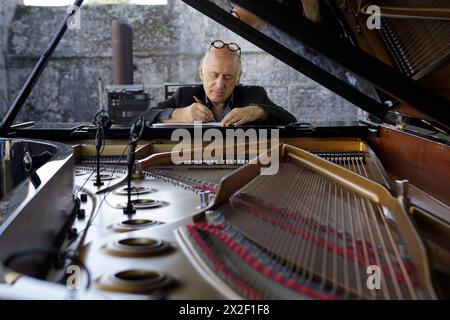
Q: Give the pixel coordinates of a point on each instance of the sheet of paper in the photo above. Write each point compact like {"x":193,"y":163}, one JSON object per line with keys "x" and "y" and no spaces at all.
{"x":184,"y":124}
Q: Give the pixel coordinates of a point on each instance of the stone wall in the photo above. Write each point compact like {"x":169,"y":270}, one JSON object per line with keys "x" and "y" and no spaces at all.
{"x":7,"y":9}
{"x":168,"y":43}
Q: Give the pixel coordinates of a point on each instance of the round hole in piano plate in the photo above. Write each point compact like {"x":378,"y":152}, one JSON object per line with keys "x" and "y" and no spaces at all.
{"x":138,"y":222}
{"x":139,"y":281}
{"x":141,"y":204}
{"x":104,"y":176}
{"x":139,"y":275}
{"x":136,"y":247}
{"x":133,"y":224}
{"x":134,"y":190}
{"x":140,"y":242}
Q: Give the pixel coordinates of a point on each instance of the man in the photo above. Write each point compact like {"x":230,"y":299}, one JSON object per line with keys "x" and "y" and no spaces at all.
{"x":221,"y":98}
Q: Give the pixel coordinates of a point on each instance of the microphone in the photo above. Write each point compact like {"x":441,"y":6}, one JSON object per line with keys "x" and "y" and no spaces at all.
{"x":102,"y":117}
{"x":102,"y":120}
{"x":136,"y":131}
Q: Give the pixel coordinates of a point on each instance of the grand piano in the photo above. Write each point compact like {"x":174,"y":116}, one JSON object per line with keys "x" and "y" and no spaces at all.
{"x":355,"y":211}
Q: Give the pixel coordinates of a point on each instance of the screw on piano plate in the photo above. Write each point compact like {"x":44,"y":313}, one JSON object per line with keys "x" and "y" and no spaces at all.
{"x":81,"y":214}
{"x":83,"y":197}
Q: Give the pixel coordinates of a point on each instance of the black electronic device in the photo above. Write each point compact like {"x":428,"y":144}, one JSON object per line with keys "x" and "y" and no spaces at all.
{"x":126,"y":102}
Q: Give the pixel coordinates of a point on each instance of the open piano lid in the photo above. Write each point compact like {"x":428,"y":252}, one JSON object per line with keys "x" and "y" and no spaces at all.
{"x":326,"y":53}
{"x":323,"y":53}
{"x":40,"y":66}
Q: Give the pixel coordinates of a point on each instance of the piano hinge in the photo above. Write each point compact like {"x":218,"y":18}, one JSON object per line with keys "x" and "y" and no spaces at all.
{"x":417,"y":126}
{"x":400,"y":122}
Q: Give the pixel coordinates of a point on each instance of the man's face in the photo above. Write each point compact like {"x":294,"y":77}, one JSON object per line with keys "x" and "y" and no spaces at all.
{"x":220,"y":73}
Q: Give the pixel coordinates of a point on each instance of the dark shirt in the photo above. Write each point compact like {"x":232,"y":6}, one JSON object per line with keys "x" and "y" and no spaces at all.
{"x":242,"y":96}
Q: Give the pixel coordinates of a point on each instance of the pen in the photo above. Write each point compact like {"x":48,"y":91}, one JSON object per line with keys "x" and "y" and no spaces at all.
{"x":197,"y":100}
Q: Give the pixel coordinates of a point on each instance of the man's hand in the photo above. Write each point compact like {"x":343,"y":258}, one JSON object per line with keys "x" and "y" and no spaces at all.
{"x":240,"y":116}
{"x":192,"y":113}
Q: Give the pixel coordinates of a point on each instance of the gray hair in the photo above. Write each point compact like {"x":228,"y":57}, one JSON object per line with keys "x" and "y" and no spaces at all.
{"x":208,"y":53}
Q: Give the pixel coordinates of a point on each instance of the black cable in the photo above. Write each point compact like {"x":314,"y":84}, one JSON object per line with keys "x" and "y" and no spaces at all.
{"x":103,"y":142}
{"x":83,"y":232}
{"x":102,"y":119}
{"x":133,"y":188}
{"x":82,"y":186}
{"x":87,"y":179}
{"x":50,"y":252}
{"x":76,"y":259}
{"x":93,"y":216}
{"x":94,"y":164}
{"x":47,"y":153}
{"x":93,"y":168}
{"x":136,"y":131}
{"x":71,"y":241}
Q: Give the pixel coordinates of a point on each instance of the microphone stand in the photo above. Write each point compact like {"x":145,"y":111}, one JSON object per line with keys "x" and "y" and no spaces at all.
{"x":101,"y":121}
{"x":98,"y":146}
{"x":135,"y":134}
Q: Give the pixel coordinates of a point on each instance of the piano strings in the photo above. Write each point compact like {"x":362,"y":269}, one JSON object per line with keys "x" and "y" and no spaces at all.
{"x":323,"y":234}
{"x":418,"y":43}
